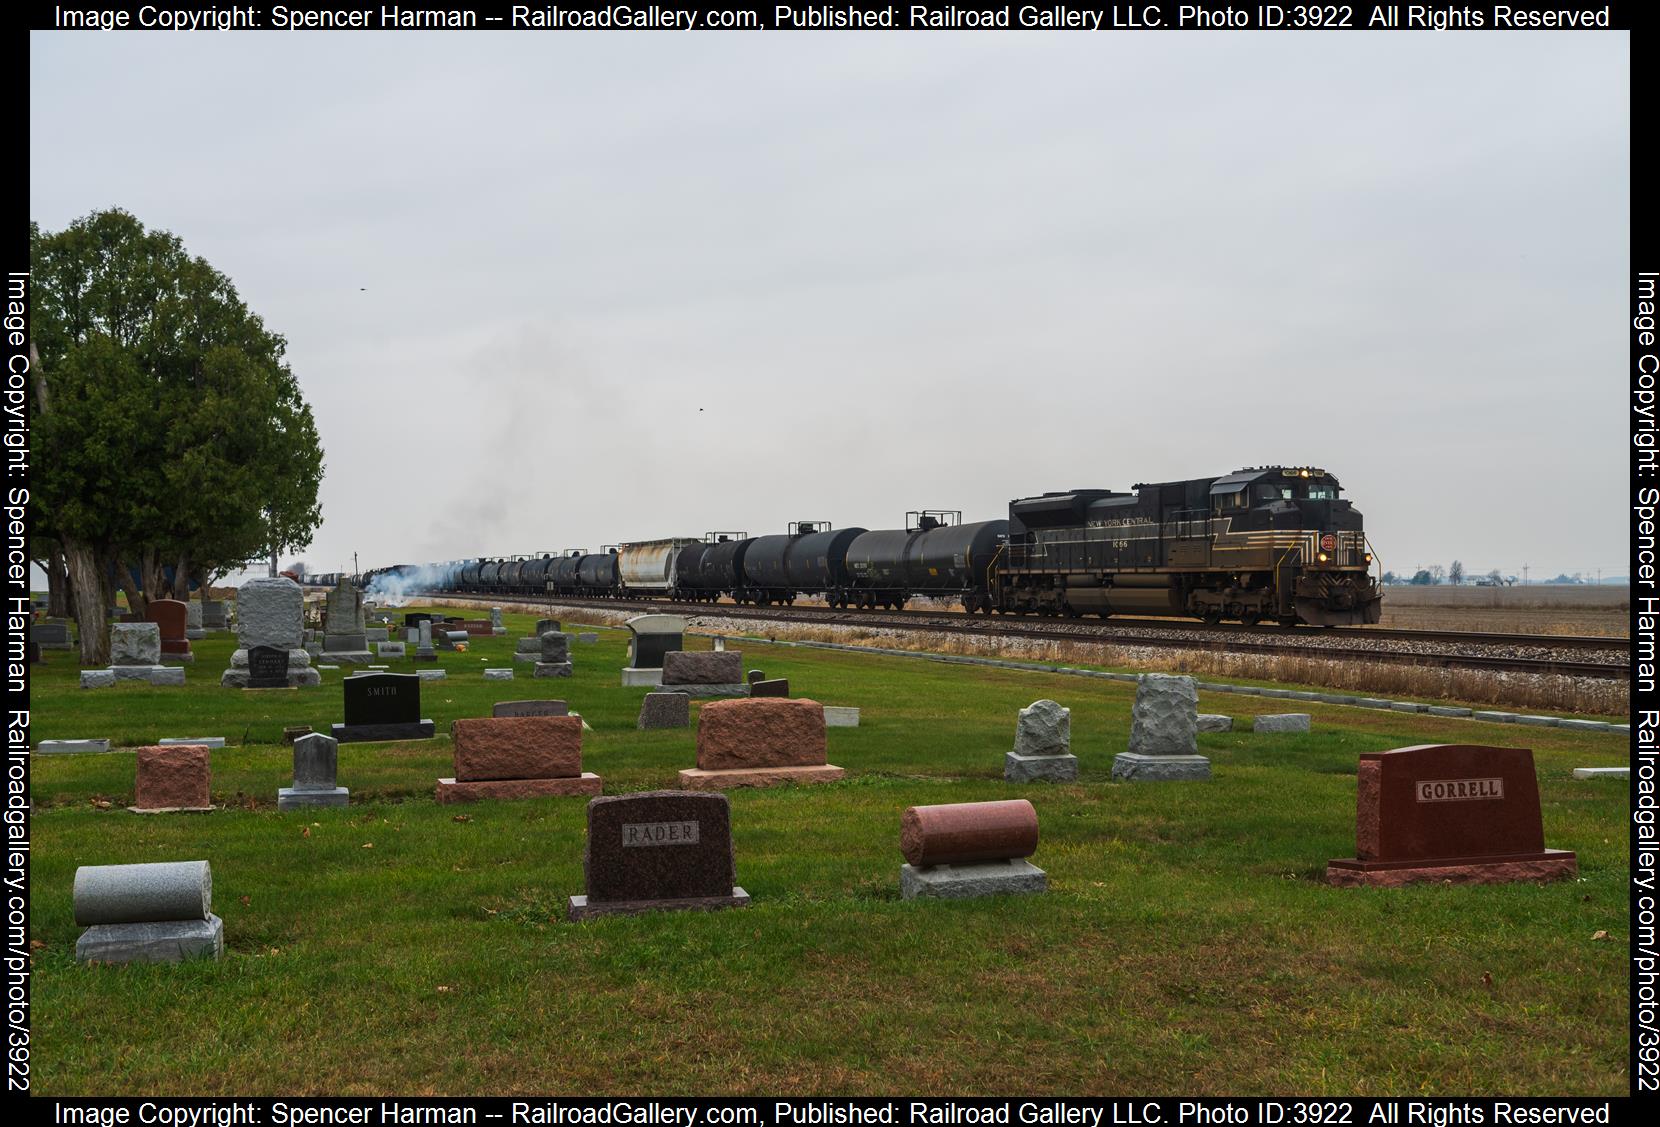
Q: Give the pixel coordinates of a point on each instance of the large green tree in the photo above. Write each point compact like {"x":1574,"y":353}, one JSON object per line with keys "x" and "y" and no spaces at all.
{"x":170,"y":428}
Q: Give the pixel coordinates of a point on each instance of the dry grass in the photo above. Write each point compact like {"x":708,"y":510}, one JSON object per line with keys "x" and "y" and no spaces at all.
{"x":1582,"y":696}
{"x":1603,"y":612}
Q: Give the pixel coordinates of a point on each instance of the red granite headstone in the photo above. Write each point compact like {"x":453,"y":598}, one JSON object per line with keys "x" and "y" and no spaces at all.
{"x":1449,"y":812}
{"x":176,"y":777}
{"x":171,"y":616}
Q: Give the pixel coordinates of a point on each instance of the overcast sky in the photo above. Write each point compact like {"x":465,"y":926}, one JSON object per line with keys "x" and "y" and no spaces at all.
{"x":548,"y":291}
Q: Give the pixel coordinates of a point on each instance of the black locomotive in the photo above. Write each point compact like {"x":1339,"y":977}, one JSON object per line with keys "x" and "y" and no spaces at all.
{"x":1274,"y":543}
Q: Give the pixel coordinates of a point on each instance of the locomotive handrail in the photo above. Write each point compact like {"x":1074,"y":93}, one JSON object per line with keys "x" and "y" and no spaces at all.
{"x":991,"y":568}
{"x":1298,"y":548}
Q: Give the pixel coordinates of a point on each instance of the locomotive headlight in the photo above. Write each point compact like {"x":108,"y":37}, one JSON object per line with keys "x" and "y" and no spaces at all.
{"x":1368,"y":557}
{"x":1322,"y":557}
{"x":1305,"y":473}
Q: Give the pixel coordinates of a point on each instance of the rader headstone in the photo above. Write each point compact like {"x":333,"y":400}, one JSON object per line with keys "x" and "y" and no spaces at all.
{"x":658,"y":850}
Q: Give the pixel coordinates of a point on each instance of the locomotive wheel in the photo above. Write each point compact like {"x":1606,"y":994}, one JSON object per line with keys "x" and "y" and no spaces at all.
{"x":1287,"y":620}
{"x":1211,"y":618}
{"x":1250,"y":617}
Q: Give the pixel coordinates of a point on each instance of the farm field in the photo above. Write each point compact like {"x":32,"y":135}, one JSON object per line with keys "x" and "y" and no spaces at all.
{"x":1589,"y":610}
{"x":1186,"y":944}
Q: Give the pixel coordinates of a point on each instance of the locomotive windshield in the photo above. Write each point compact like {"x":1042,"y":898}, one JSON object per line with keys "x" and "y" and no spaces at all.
{"x":1296,"y":491}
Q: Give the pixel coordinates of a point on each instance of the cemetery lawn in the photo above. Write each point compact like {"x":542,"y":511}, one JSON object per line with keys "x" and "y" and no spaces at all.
{"x":1187,"y":943}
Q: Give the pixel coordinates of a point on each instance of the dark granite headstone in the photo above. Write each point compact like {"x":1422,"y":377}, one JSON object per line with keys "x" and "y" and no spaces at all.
{"x":755,"y":675}
{"x":778,"y":687}
{"x":267,"y":668}
{"x":529,"y":708}
{"x":382,"y":706}
{"x":658,"y":850}
{"x":415,"y":618}
{"x":34,"y":653}
{"x":1449,"y":812}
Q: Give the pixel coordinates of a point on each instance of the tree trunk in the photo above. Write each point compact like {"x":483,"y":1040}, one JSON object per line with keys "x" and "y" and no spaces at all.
{"x":57,"y":595}
{"x":150,"y":577}
{"x":86,"y":583}
{"x":181,"y":577}
{"x":135,"y":597}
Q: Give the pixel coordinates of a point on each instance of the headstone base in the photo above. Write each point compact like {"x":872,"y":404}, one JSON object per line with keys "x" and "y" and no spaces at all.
{"x":292,"y":798}
{"x":963,"y":882}
{"x":1552,"y":864}
{"x":450,"y":791}
{"x":836,"y":716}
{"x":1019,"y":768}
{"x":425,"y":655}
{"x":169,"y":809}
{"x":431,"y":674}
{"x":696,"y":778}
{"x":1132,"y":767}
{"x":636,"y":677}
{"x":172,"y":941}
{"x":580,"y":909}
{"x":552,"y":669}
{"x":498,"y":631}
{"x":737,"y":689}
{"x":195,"y":633}
{"x":506,"y":674}
{"x":1602,"y":772}
{"x":155,"y":674}
{"x":182,"y":659}
{"x":535,"y":657}
{"x":198,"y":741}
{"x":378,"y":733}
{"x":347,"y":657}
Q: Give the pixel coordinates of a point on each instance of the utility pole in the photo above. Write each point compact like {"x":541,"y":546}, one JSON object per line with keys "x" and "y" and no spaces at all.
{"x":1524,"y":575}
{"x":355,"y":575}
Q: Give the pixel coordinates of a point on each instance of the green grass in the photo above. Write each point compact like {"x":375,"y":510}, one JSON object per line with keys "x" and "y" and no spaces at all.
{"x":1186,"y":943}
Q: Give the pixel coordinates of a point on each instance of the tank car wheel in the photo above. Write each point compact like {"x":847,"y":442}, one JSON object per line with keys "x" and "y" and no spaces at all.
{"x":1211,"y":618}
{"x":1250,"y":618}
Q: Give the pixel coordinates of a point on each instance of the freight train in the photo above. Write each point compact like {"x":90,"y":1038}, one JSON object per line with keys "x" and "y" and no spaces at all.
{"x":1272,"y":542}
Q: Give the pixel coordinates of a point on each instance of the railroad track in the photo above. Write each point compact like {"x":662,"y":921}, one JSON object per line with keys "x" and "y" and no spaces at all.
{"x":1510,"y":653}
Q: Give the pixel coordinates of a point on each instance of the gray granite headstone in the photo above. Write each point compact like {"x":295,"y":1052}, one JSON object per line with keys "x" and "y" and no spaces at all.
{"x":316,"y":759}
{"x":1042,"y":746}
{"x":1165,"y":717}
{"x":665,"y":710}
{"x":1215,"y":722}
{"x":1283,"y":722}
{"x":135,"y":643}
